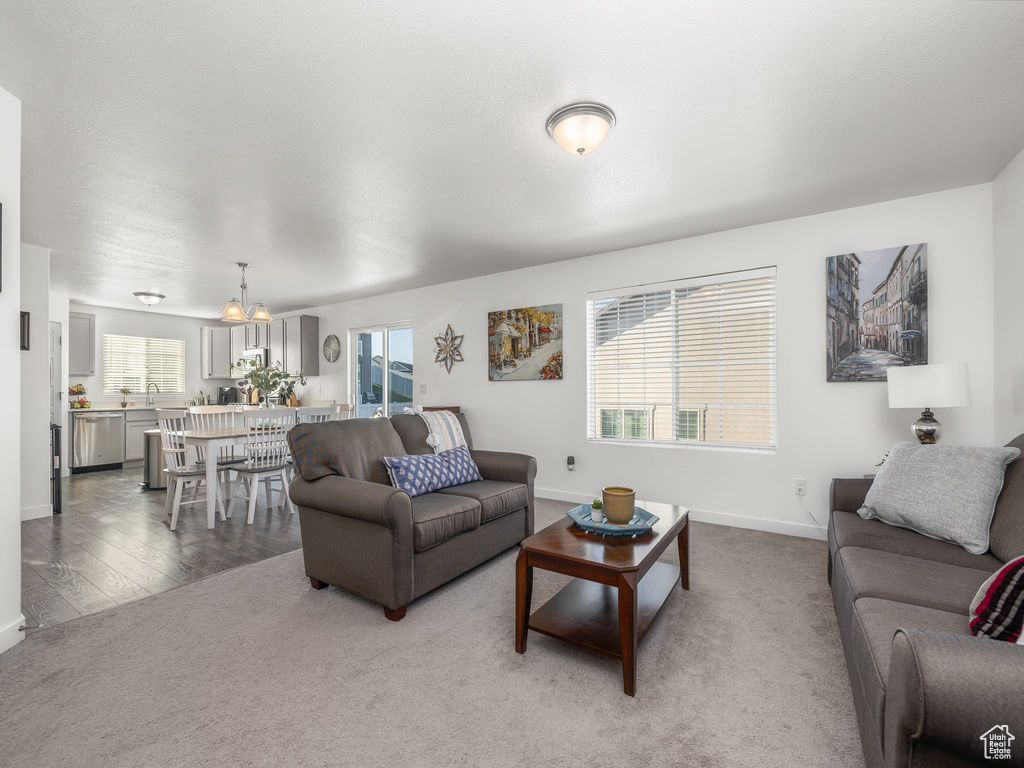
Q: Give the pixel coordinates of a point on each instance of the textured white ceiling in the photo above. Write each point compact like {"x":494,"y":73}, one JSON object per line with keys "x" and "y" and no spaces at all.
{"x":351,"y":148}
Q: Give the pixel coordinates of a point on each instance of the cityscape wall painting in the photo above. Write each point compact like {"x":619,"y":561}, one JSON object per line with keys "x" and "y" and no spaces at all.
{"x":877,"y":307}
{"x":525,"y":344}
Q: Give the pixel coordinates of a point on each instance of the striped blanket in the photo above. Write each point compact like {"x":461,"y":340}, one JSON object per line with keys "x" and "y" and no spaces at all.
{"x":444,"y":432}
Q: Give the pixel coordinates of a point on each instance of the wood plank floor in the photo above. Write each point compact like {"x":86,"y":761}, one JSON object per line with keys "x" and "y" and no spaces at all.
{"x":112,"y":545}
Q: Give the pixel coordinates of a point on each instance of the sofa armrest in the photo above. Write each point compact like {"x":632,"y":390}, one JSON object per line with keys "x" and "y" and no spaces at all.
{"x":510,"y":467}
{"x":847,"y":493}
{"x":945,"y":690}
{"x":356,"y":499}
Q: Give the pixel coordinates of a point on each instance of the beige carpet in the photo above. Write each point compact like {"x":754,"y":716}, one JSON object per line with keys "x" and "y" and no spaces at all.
{"x":254,"y":668}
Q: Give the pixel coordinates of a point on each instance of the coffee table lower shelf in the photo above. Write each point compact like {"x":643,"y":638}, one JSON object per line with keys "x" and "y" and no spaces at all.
{"x":587,"y":613}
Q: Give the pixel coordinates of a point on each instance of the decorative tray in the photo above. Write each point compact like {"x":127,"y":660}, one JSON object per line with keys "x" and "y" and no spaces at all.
{"x":641,"y":522}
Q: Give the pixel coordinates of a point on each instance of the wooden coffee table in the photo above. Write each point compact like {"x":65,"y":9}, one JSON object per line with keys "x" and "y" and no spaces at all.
{"x":618,"y":589}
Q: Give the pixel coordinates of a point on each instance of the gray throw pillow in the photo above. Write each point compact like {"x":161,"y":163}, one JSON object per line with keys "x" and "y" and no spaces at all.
{"x":946,"y":492}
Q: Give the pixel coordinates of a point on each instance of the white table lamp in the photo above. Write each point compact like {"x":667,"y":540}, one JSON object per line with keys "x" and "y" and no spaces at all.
{"x":942,"y":385}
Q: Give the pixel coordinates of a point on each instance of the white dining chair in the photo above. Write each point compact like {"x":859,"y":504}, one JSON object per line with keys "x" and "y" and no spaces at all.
{"x":347,"y":411}
{"x":181,"y":474}
{"x":317,"y":414}
{"x":266,"y":451}
{"x":217,"y":417}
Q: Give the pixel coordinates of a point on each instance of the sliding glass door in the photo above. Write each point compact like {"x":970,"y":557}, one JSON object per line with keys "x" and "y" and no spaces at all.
{"x":383,"y":369}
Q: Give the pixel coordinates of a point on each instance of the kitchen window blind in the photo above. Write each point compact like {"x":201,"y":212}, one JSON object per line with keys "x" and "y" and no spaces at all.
{"x":136,"y":362}
{"x":695,"y":357}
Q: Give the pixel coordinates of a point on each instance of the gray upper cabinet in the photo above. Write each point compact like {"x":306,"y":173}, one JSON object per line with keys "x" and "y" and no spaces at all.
{"x":256,"y":335}
{"x":295,"y":343}
{"x":276,"y":342}
{"x":215,"y":353}
{"x":237,"y":346}
{"x":294,"y":359}
{"x":81,"y":344}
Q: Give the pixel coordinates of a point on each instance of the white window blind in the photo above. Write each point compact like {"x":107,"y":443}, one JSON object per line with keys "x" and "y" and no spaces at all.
{"x":686,"y":362}
{"x":135,"y":362}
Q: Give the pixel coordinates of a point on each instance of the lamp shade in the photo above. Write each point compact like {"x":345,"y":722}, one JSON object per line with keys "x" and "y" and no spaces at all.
{"x":233,"y":312}
{"x":260,"y":314}
{"x":942,"y":385}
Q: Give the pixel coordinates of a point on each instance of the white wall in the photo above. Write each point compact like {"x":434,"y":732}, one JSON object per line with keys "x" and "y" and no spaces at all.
{"x":1008,"y":259}
{"x":35,"y":393}
{"x":142,"y":323}
{"x":10,"y":362}
{"x":824,"y":430}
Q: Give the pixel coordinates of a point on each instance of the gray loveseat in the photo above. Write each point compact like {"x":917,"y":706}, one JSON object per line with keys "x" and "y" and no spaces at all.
{"x":925,"y":690}
{"x":367,"y":537}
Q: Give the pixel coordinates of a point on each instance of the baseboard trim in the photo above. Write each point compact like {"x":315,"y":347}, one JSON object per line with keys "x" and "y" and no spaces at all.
{"x":33,"y":513}
{"x":803,"y":530}
{"x":12,"y":634}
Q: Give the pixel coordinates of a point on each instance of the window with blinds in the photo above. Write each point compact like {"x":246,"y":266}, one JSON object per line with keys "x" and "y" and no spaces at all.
{"x":136,"y":362}
{"x":685,"y":362}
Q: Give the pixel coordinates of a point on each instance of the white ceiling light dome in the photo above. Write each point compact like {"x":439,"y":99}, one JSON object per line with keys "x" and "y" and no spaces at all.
{"x":579,"y":129}
{"x":148,"y":298}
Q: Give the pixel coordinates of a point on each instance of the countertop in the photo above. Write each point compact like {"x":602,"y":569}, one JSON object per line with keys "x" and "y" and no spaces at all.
{"x":107,"y":408}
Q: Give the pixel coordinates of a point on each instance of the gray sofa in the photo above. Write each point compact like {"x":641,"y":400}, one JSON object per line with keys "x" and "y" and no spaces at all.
{"x":367,"y":537}
{"x":924,"y":689}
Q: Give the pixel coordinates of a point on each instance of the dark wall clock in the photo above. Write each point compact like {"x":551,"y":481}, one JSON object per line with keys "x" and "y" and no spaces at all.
{"x":332,"y":348}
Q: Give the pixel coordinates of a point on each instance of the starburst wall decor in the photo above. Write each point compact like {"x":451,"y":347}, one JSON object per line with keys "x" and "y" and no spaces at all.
{"x":449,"y":349}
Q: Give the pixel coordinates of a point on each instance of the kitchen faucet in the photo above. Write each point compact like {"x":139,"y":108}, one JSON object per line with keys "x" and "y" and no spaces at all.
{"x":149,"y":397}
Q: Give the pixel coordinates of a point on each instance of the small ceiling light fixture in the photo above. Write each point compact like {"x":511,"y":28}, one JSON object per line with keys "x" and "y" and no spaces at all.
{"x":235,"y":312}
{"x":579,"y":129}
{"x":149,"y":299}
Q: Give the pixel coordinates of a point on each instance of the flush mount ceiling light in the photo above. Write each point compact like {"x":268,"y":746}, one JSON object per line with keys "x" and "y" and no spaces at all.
{"x":235,"y":312}
{"x":579,"y":129}
{"x":149,"y":299}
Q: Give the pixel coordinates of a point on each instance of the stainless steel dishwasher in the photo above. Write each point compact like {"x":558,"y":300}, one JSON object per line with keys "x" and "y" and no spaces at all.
{"x":97,"y":441}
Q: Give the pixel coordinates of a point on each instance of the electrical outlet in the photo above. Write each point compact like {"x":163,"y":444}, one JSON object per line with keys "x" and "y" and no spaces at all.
{"x":423,"y":389}
{"x":319,"y":389}
{"x":570,"y":463}
{"x":800,"y":487}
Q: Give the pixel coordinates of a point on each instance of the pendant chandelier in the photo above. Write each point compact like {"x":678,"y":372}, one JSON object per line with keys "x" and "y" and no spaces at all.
{"x":235,"y":311}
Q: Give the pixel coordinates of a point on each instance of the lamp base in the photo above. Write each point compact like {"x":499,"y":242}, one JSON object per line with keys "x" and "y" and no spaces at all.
{"x":926,"y":429}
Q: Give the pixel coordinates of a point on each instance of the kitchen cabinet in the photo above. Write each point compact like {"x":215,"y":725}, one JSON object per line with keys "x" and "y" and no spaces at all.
{"x":295,"y":344}
{"x":277,"y":342}
{"x":294,"y":360}
{"x":237,"y":346}
{"x":135,"y":426}
{"x":256,"y":335}
{"x":81,"y":344}
{"x":215,"y":353}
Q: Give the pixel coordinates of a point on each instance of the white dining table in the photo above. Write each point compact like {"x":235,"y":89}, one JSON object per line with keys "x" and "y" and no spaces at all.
{"x":211,"y":441}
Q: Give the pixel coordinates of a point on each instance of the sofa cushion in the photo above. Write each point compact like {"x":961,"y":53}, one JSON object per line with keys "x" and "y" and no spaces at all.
{"x":413,"y":432}
{"x":352,"y":448}
{"x":436,"y":518}
{"x":874,"y":623}
{"x":948,"y":492}
{"x":848,"y":529}
{"x":496,"y":498}
{"x":1007,"y":535}
{"x":889,"y":576}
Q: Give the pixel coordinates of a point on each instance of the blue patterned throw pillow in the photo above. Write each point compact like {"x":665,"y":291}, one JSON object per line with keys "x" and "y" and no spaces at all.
{"x":417,"y":475}
{"x":461,"y":465}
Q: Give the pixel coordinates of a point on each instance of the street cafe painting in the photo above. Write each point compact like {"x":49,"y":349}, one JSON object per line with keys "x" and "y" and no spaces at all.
{"x":525,"y":344}
{"x":877,"y":312}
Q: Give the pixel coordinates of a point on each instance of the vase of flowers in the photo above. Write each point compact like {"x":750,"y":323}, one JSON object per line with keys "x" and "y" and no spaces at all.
{"x":124,"y":396}
{"x":269,"y":380}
